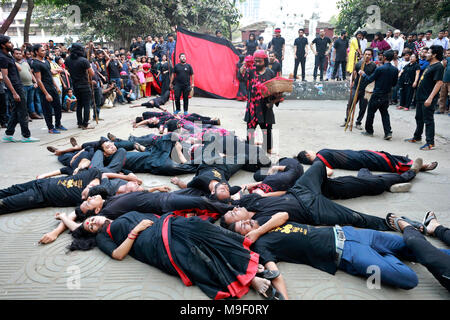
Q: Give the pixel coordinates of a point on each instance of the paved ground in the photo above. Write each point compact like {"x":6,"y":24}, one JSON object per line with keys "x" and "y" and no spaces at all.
{"x":31,"y":271}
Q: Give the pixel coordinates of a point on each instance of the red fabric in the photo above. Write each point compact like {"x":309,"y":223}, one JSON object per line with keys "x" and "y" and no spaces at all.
{"x":165,"y":237}
{"x":399,"y":168}
{"x":214,"y":64}
{"x":108,"y":230}
{"x":202,"y":214}
{"x":324,"y":160}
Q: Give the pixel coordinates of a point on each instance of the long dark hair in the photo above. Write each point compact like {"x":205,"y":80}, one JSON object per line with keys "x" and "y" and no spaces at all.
{"x":77,"y":51}
{"x":85,"y":240}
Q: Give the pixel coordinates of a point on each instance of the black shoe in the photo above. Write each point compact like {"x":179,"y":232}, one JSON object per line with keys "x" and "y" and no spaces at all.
{"x":388,"y":136}
{"x":111,"y":136}
{"x":365,"y":133}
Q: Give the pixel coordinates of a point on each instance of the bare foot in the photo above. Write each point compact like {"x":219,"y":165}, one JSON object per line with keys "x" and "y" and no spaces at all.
{"x":432,"y":225}
{"x":402,"y":224}
{"x":429,"y":166}
{"x":260,"y":285}
{"x":175,"y":180}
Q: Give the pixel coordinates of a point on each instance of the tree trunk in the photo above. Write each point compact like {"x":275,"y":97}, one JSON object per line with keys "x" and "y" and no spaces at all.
{"x":11,"y":17}
{"x":26,"y":29}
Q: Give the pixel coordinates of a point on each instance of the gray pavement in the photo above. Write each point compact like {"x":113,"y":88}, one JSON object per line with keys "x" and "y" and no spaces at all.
{"x":31,"y":271}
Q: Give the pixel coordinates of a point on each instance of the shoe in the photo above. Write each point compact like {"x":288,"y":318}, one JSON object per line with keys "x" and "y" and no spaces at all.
{"x":388,"y":136}
{"x":417,"y":165}
{"x":412,"y":140}
{"x":399,"y":108}
{"x":111,"y":136}
{"x":427,"y":146}
{"x":73,"y":142}
{"x":365,"y":133}
{"x":62,"y":128}
{"x":86,"y":127}
{"x":29,"y":139}
{"x":34,"y":115}
{"x":9,"y":139}
{"x":51,"y":149}
{"x":405,"y":109}
{"x":186,"y":113}
{"x":359,"y":127}
{"x":400,"y":187}
{"x":53,"y":131}
{"x":343,"y":124}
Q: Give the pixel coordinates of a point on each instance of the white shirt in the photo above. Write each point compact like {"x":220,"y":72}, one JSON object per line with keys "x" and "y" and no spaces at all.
{"x":148,"y":49}
{"x":397,"y":44}
{"x":428,"y":43}
{"x":443,"y":43}
{"x":363,"y":44}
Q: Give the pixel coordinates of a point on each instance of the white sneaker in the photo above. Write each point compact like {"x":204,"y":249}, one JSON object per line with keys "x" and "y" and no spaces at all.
{"x":29,"y":139}
{"x":400,"y":187}
{"x":9,"y":139}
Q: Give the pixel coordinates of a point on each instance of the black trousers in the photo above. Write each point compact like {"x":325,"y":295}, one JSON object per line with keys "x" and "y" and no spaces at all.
{"x":378,"y":102}
{"x":362,"y":106}
{"x":267,"y":134}
{"x":48,"y":108}
{"x":343,"y":65}
{"x":435,"y":260}
{"x":22,"y":196}
{"x":18,"y":114}
{"x":3,"y":118}
{"x":182,"y":89}
{"x":425,"y":118}
{"x":84,"y":97}
{"x":406,"y":95}
{"x":323,"y":211}
{"x":302,"y":62}
{"x":319,"y":63}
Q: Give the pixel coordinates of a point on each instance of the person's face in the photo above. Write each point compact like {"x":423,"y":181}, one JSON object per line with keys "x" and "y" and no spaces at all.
{"x":219,"y":34}
{"x":92,"y":203}
{"x":183,"y":58}
{"x":41,"y":52}
{"x":149,"y":39}
{"x":428,"y":35}
{"x":133,"y":40}
{"x":397,"y":34}
{"x":156,"y":58}
{"x":28,"y":54}
{"x":407,"y":56}
{"x":18,"y":55}
{"x":245,"y":226}
{"x":259,"y":63}
{"x":161,"y":39}
{"x":109,"y":148}
{"x":301,"y":33}
{"x":322,"y":33}
{"x":139,"y":39}
{"x":277,"y":34}
{"x":271,"y":57}
{"x":429,"y":55}
{"x":252,"y":37}
{"x":448,"y":53}
{"x":420,"y":37}
{"x":69,"y":93}
{"x":381,"y":58}
{"x":446,"y":34}
{"x":235,"y":215}
{"x":170,"y":39}
{"x":164,"y":58}
{"x":154,"y":120}
{"x":155,"y":39}
{"x":423,"y":54}
{"x":388,"y":34}
{"x":413,"y":58}
{"x":395,"y":55}
{"x":311,"y":155}
{"x":222,"y":192}
{"x":410,"y":38}
{"x":94,"y":224}
{"x":131,"y":186}
{"x":367,"y":56}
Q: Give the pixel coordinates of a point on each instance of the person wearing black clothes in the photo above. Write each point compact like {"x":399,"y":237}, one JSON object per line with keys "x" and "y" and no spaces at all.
{"x":52,"y":192}
{"x":277,"y":45}
{"x":322,"y":45}
{"x":157,"y":102}
{"x":274,"y":65}
{"x":334,"y":248}
{"x":251,"y":44}
{"x":48,"y":92}
{"x":427,"y":96}
{"x":408,"y":80}
{"x":108,"y":158}
{"x":385,"y":78}
{"x":369,"y":68}
{"x":242,"y":92}
{"x":301,"y":52}
{"x":79,"y":68}
{"x":15,"y":92}
{"x":303,"y":203}
{"x":437,"y":261}
{"x":183,"y":75}
{"x":138,"y":48}
{"x":341,"y":46}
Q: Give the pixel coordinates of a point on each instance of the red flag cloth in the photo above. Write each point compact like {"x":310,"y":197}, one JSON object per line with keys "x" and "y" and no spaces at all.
{"x":214,"y":62}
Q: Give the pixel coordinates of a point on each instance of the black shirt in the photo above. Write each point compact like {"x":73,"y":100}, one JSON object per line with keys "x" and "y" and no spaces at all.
{"x":204,"y":177}
{"x":368,"y":69}
{"x":77,"y":69}
{"x":299,"y":243}
{"x":114,"y":69}
{"x":183,"y":74}
{"x":251,"y":47}
{"x":275,"y":67}
{"x":8,"y":62}
{"x":432,"y":74}
{"x":277,"y":45}
{"x":301,"y":43}
{"x":385,"y":78}
{"x":409,"y":73}
{"x":321,"y":45}
{"x":341,"y":46}
{"x":63,"y":192}
{"x":46,"y":75}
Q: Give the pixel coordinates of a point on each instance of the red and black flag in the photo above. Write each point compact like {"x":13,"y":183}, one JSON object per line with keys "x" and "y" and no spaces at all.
{"x":214,"y":62}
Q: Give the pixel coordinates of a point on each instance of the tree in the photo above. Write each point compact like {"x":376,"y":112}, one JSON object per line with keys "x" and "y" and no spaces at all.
{"x":405,"y":15}
{"x":11,"y":16}
{"x":26,"y":29}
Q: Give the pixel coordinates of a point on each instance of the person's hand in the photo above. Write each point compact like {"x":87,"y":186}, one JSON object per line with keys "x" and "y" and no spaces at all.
{"x":16,"y":97}
{"x":144,"y":224}
{"x":315,"y":53}
{"x":48,"y":238}
{"x":361,"y":72}
{"x":282,"y":58}
{"x":253,"y":235}
{"x":60,"y":215}
{"x":163,"y":189}
{"x":306,"y":54}
{"x":296,"y":57}
{"x":35,"y":85}
{"x":135,"y":178}
{"x":428,"y":102}
{"x":48,"y":97}
{"x":414,"y":84}
{"x":171,"y":86}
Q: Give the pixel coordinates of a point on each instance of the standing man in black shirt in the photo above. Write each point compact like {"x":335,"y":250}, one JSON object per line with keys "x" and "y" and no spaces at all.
{"x":274,"y":65}
{"x":277,"y":45}
{"x":369,"y":68}
{"x":11,"y":78}
{"x":322,"y":45}
{"x":183,"y":75}
{"x":79,"y":68}
{"x":385,"y":78}
{"x":301,"y":52}
{"x":341,"y":45}
{"x":427,"y":97}
{"x":48,"y":92}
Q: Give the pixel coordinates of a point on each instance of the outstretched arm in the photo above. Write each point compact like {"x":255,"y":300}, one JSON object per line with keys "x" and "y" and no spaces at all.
{"x":49,"y":174}
{"x":54,"y":234}
{"x":68,"y":222}
{"x":278,"y":282}
{"x":275,"y":221}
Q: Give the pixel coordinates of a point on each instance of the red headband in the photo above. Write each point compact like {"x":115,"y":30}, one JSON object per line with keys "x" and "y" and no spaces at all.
{"x":261,"y":54}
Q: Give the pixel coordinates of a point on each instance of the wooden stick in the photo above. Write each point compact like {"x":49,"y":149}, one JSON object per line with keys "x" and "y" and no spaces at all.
{"x":351,"y":113}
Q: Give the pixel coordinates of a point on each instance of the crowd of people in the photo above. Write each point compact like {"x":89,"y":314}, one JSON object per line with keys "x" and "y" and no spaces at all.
{"x":271,"y":219}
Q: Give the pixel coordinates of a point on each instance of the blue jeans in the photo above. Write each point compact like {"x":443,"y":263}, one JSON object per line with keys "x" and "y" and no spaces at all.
{"x":364,"y":248}
{"x":117,"y":81}
{"x":29,"y":93}
{"x":37,"y":105}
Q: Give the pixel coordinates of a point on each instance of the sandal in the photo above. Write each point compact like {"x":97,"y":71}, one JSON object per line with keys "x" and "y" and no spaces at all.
{"x":272,"y":294}
{"x":430,"y":215}
{"x":396,"y":227}
{"x":51,"y":149}
{"x":430,"y":166}
{"x":73,"y":141}
{"x":415,"y":224}
{"x":269,"y":274}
